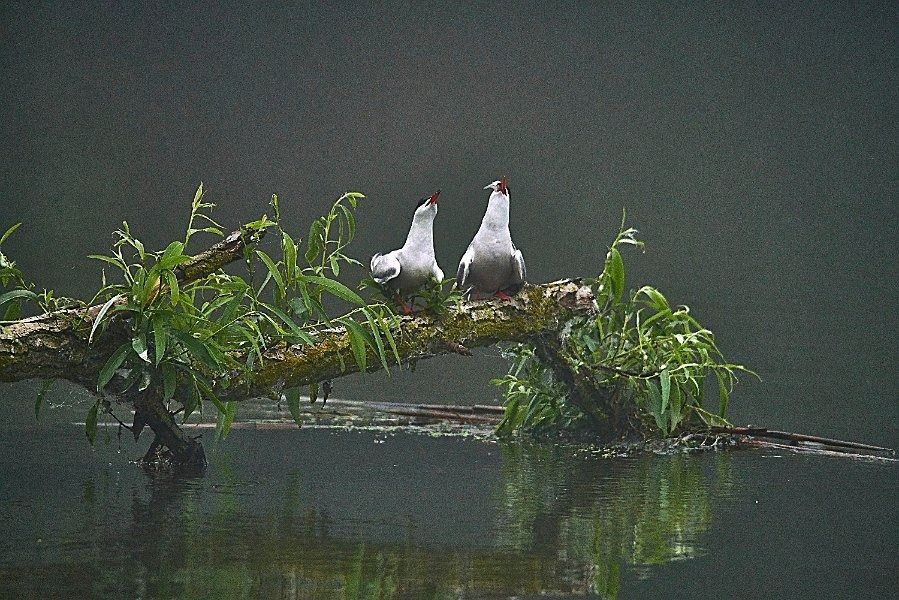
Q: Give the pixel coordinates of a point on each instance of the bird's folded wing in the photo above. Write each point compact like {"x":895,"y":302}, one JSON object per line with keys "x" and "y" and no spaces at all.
{"x":464,"y":269}
{"x":519,"y":270}
{"x":384,"y":267}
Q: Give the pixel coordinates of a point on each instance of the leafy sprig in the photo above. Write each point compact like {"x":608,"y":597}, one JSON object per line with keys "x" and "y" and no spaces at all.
{"x":638,"y":351}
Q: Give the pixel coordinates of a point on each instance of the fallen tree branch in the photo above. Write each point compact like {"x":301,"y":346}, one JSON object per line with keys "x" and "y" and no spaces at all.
{"x":535,"y":310}
{"x":55,"y":345}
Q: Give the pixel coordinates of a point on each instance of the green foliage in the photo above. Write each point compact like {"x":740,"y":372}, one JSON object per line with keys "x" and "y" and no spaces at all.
{"x":189,"y":339}
{"x":11,"y":300}
{"x":639,"y":362}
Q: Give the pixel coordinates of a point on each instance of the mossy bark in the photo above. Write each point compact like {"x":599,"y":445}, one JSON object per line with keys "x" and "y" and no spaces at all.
{"x":535,"y":310}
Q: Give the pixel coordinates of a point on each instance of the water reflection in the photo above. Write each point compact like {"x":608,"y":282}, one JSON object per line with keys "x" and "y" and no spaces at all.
{"x":443,"y":518}
{"x":597,"y":517}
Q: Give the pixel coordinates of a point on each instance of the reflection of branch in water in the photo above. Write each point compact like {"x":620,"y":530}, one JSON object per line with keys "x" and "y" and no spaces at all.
{"x":601,"y":516}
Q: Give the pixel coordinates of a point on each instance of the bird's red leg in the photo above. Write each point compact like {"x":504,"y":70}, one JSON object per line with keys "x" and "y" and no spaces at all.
{"x":503,"y":296}
{"x":406,"y":308}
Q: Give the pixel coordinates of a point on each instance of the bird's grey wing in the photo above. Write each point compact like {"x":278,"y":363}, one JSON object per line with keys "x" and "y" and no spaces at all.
{"x":462,"y":281}
{"x":384,"y":267}
{"x":519,"y":270}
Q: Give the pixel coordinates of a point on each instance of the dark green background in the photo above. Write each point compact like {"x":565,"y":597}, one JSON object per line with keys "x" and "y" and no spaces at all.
{"x":754,"y":147}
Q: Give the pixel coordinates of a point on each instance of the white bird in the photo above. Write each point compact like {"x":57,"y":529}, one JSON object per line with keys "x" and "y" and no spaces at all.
{"x":406,"y":270}
{"x":492,"y":265}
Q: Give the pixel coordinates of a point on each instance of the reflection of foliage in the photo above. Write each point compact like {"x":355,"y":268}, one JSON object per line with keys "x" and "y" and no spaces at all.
{"x":640,"y":365}
{"x":649,"y":510}
{"x":567,"y":525}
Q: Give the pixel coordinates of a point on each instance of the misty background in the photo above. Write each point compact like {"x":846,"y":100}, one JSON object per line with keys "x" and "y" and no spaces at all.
{"x":754,"y":147}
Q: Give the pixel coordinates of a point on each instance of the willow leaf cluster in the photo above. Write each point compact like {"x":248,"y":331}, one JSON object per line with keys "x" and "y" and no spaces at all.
{"x":639,"y":363}
{"x":188,"y":340}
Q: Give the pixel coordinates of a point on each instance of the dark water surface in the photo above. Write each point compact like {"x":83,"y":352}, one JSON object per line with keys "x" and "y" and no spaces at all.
{"x":319,"y":513}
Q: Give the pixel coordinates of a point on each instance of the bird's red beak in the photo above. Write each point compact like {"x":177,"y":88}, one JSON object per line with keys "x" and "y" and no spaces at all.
{"x":502,"y":186}
{"x":433,"y":199}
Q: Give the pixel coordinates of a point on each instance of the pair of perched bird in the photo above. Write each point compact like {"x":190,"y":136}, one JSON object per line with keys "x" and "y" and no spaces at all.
{"x":492,"y":265}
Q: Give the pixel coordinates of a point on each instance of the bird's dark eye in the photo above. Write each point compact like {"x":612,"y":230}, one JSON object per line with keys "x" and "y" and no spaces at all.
{"x":422,"y":201}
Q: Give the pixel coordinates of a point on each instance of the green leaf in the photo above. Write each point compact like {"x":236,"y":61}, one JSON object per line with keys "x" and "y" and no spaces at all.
{"x":139,"y":345}
{"x":225,"y":419}
{"x":655,"y":404}
{"x":210,"y":395}
{"x":192,"y":401}
{"x":169,"y":382}
{"x":335,"y":288}
{"x":172,"y":282}
{"x":357,"y":337}
{"x":16,"y":295}
{"x":41,"y":394}
{"x":289,"y":249}
{"x":197,"y":197}
{"x":294,"y":328}
{"x":159,"y":338}
{"x":273,"y":269}
{"x":298,"y":306}
{"x":677,"y":403}
{"x":172,"y":256}
{"x":112,"y":364}
{"x":615,"y":270}
{"x":197,"y":348}
{"x":656,"y":298}
{"x":335,"y":266}
{"x":103,"y":310}
{"x":90,"y":423}
{"x":313,"y":246}
{"x":376,"y":336}
{"x":9,"y":232}
{"x":276,"y":205}
{"x":112,"y":260}
{"x":389,"y":337}
{"x":665,"y":382}
{"x":723,"y":396}
{"x":293,"y":404}
{"x":350,"y":221}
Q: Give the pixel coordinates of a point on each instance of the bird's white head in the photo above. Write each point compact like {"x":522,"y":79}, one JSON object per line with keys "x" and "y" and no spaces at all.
{"x":427,"y":207}
{"x":498,"y":186}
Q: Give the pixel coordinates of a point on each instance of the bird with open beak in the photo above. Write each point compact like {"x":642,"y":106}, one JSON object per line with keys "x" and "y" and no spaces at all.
{"x":406,"y":270}
{"x":492,"y":265}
